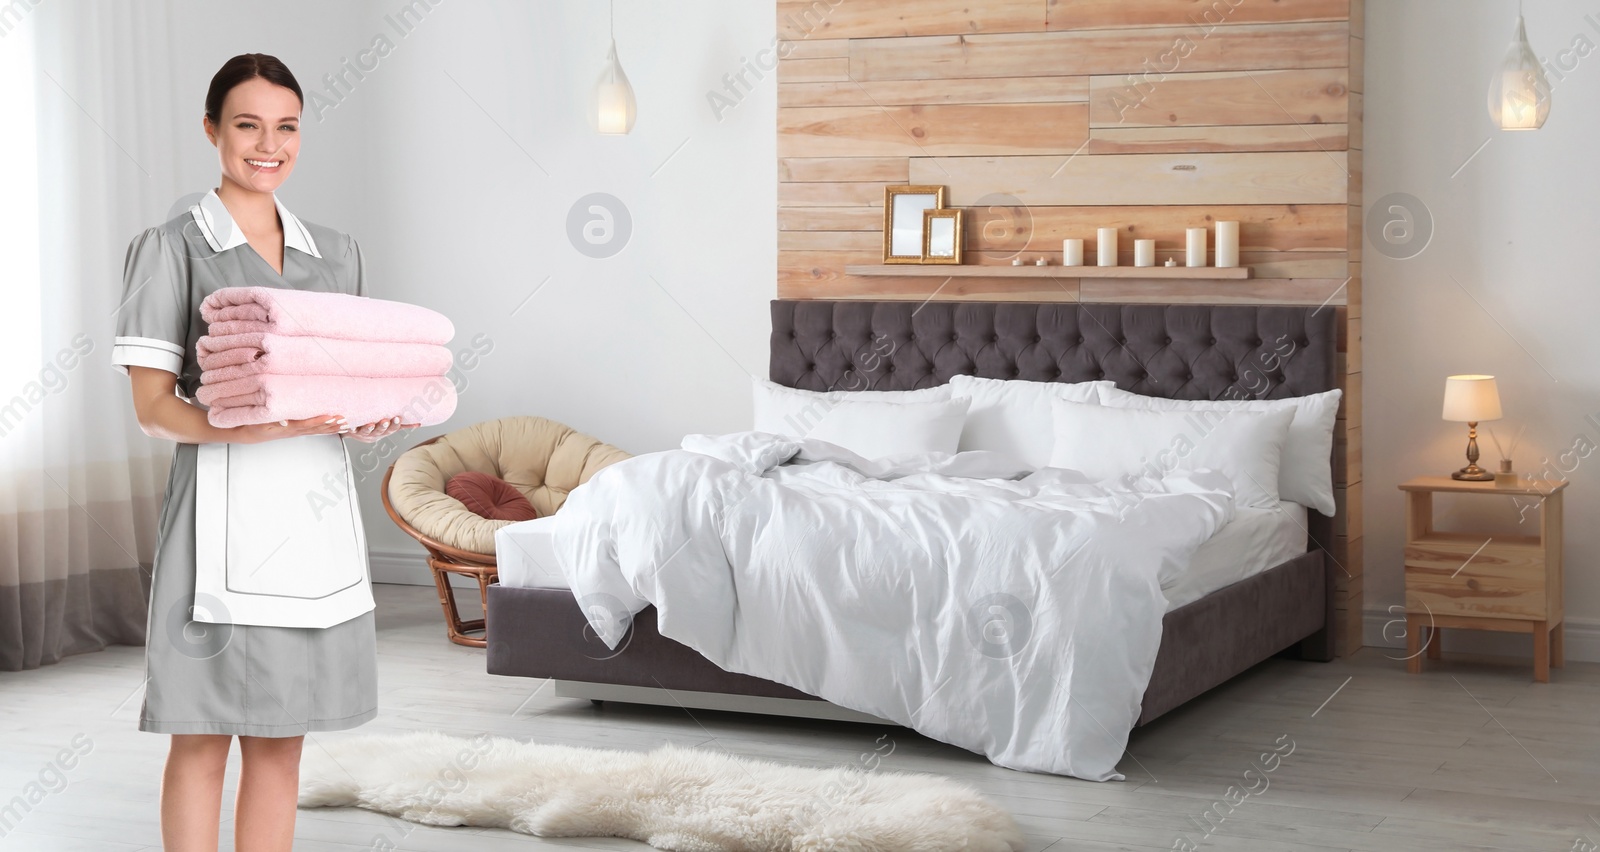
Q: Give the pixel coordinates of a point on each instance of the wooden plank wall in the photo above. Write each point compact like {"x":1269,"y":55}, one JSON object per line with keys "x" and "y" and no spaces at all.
{"x":1050,"y":118}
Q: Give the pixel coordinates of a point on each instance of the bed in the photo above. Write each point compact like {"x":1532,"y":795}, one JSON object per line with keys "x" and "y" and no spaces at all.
{"x":1259,"y":588}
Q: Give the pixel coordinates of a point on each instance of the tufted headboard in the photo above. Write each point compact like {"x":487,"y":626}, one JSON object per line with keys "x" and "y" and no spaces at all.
{"x":1176,"y":351}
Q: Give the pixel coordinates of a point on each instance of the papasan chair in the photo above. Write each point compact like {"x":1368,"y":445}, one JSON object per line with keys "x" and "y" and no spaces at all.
{"x":542,"y":459}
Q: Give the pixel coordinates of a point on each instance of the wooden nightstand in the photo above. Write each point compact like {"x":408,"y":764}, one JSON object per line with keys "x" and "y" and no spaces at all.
{"x":1481,"y":582}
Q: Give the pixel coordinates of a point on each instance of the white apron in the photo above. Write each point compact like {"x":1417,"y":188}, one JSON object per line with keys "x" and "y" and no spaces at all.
{"x":278,"y":536}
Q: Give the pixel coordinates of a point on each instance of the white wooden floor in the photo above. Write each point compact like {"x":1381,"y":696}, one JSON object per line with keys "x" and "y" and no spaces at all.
{"x":1469,"y":755}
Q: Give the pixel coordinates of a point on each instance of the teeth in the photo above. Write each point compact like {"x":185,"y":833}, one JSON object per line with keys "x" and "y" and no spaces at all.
{"x":263,"y":164}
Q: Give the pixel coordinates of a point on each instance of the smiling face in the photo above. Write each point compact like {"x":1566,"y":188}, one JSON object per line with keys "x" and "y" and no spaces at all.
{"x":258,"y":134}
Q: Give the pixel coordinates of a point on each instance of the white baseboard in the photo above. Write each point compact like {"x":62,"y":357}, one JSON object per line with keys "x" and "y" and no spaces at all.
{"x":1582,"y":637}
{"x":410,"y":568}
{"x":403,"y":567}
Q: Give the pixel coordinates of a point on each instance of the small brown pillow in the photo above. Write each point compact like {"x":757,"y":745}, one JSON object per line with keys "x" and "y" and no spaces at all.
{"x":490,"y":497}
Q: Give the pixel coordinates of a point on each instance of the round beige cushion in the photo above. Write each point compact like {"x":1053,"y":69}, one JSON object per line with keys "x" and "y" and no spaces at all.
{"x":541,"y":458}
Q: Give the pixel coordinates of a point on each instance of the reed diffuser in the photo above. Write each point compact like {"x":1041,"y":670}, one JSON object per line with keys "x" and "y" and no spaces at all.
{"x":1505,"y":477}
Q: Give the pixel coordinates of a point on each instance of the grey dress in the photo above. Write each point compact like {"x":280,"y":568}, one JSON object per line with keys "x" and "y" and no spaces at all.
{"x":203,"y":678}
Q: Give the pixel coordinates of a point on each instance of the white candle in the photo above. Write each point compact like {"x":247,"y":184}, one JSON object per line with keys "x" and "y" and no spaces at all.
{"x":1144,"y":252}
{"x":1227,"y":244}
{"x":1072,"y":252}
{"x":1195,"y":247}
{"x":1105,"y":251}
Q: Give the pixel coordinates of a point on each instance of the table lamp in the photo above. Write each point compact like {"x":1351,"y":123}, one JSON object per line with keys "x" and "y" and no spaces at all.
{"x":1470,"y":400}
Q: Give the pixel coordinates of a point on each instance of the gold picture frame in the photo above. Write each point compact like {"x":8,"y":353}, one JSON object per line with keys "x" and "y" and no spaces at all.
{"x":943,"y":232}
{"x":902,"y":220}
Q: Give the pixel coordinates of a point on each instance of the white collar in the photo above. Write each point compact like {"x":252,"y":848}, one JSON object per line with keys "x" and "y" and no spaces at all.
{"x":222,"y":233}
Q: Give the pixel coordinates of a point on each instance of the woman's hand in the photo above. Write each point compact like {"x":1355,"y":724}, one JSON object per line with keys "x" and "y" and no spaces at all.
{"x":373,"y":432}
{"x":324,"y":425}
{"x":327,"y":424}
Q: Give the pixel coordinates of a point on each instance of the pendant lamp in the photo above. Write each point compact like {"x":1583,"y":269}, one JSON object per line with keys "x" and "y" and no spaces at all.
{"x":1519,"y":92}
{"x":613,"y":98}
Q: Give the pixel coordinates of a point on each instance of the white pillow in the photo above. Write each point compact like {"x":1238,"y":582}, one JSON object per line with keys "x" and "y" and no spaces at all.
{"x":1013,"y":416}
{"x":1306,"y":476}
{"x":1114,"y":443}
{"x":794,"y":412}
{"x":869,"y":424}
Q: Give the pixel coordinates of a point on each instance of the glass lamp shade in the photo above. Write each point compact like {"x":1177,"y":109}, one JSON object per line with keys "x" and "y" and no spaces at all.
{"x":614,"y":106}
{"x":1471,"y":399}
{"x":1519,"y":92}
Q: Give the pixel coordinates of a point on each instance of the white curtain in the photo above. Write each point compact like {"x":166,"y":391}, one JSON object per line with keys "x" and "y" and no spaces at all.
{"x":86,"y":161}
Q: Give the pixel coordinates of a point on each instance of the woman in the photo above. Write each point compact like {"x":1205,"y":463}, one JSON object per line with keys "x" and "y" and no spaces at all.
{"x":209,"y":680}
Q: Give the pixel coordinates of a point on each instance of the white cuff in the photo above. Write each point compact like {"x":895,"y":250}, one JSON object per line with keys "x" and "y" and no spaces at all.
{"x":146,"y":352}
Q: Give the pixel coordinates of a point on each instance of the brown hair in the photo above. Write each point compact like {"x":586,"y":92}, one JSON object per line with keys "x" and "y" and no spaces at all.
{"x":247,"y":66}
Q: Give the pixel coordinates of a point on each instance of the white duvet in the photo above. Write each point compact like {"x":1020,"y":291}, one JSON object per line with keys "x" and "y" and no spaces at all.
{"x":1013,"y":613}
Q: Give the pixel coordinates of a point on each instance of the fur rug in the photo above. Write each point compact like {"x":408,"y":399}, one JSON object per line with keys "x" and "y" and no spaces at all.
{"x":671,"y":798}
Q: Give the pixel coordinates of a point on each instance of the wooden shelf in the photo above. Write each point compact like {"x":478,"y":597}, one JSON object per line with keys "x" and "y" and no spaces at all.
{"x":951,"y":270}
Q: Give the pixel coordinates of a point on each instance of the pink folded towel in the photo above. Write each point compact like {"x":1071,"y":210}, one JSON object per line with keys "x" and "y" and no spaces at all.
{"x":235,"y":356}
{"x":265,"y":398}
{"x":242,"y":310}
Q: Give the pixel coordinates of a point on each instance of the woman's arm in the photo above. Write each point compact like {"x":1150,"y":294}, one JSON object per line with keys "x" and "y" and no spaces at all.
{"x":163,"y":414}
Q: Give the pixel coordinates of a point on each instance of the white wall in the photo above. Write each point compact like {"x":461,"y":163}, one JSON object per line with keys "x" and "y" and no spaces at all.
{"x":1508,"y":285}
{"x":478,"y":145}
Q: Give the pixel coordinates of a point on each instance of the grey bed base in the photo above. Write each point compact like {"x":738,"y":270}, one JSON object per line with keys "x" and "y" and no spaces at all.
{"x":1175,"y":351}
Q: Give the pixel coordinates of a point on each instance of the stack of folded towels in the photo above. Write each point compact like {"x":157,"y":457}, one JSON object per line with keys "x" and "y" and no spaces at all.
{"x":272,"y":354}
